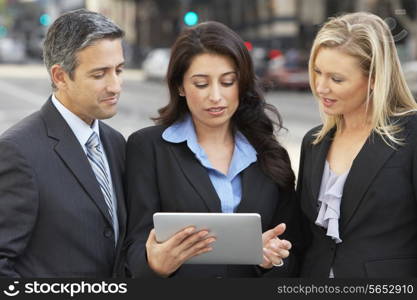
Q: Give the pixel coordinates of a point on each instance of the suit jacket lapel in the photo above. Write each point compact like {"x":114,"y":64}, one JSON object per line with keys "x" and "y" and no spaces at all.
{"x":371,"y":158}
{"x":69,"y":150}
{"x":319,"y":155}
{"x":197,"y":176}
{"x":252,"y":181}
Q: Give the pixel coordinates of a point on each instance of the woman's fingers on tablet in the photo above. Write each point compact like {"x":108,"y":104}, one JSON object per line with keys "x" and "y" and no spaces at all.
{"x":273,"y":257}
{"x":193,"y":239}
{"x":201,"y":251}
{"x":152,"y":236}
{"x":273,"y":233}
{"x":277,"y":244}
{"x":181,"y":246}
{"x":180,"y":236}
{"x":275,"y":250}
{"x":286,"y":244}
{"x":266,"y":262}
{"x":200,"y":247}
{"x":280,"y":247}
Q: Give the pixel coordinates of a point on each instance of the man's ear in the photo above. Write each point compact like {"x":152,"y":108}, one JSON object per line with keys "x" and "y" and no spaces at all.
{"x":59,"y":76}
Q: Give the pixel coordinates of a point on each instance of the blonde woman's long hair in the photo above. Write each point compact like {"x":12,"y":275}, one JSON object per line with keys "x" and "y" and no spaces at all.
{"x":367,"y":37}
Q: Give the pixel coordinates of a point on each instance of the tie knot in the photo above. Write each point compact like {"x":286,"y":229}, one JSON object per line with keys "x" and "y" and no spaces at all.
{"x":93,"y":141}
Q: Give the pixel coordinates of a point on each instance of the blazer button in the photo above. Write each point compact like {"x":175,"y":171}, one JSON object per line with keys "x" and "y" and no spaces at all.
{"x":108,"y":233}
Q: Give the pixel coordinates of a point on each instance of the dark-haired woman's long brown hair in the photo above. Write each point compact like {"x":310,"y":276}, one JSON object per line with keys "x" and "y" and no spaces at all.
{"x":251,"y":117}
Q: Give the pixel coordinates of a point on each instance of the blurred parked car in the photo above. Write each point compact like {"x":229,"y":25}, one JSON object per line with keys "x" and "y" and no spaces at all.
{"x":410,"y":72}
{"x":12,"y":50}
{"x":259,"y":56}
{"x":155,"y":65}
{"x":34,"y":45}
{"x":289,"y":71}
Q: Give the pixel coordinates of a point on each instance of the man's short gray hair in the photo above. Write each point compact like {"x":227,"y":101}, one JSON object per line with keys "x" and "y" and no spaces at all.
{"x":72,"y":32}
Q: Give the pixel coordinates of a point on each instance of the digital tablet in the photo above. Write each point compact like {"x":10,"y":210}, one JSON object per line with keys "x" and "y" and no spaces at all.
{"x":239,"y":235}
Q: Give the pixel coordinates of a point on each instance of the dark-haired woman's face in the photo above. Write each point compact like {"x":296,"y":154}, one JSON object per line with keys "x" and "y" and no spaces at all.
{"x":211,"y":89}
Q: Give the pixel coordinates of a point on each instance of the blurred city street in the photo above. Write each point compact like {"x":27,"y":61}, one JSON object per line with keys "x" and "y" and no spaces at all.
{"x":24,"y":89}
{"x":278,"y":34}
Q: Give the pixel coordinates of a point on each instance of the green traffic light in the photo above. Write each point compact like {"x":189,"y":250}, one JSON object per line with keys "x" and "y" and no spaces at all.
{"x":190,"y":18}
{"x":45,"y":20}
{"x":3,"y":31}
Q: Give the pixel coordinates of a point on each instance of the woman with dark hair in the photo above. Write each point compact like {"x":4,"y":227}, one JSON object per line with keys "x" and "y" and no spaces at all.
{"x":213,"y":150}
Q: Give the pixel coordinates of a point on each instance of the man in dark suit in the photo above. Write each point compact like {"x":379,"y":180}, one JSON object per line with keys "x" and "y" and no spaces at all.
{"x":62,"y":204}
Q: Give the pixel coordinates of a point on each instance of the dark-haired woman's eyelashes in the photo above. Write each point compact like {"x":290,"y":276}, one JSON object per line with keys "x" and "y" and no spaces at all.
{"x":204,"y":85}
{"x":201,"y":85}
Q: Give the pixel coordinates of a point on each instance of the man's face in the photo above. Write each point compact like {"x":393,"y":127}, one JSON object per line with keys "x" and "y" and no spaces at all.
{"x":94,"y":90}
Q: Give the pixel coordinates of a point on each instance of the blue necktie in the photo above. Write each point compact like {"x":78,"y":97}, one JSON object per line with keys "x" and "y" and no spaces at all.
{"x":95,"y":156}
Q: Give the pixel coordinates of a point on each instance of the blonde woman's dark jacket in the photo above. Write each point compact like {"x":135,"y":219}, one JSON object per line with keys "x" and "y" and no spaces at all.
{"x":378,"y":212}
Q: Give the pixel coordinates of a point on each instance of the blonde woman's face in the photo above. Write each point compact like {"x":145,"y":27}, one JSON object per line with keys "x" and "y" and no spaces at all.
{"x":339,"y":83}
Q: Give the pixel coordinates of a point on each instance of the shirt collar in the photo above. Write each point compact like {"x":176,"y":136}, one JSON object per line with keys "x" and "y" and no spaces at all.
{"x":180,"y":131}
{"x":184,"y":131}
{"x":81,"y":129}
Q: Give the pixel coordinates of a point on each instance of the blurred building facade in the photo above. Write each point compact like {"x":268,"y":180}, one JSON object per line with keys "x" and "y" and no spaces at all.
{"x":25,"y":23}
{"x":279,"y":24}
{"x":149,"y":24}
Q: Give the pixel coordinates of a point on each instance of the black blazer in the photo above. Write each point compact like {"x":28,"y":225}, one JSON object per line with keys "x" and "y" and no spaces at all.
{"x":167,"y":177}
{"x":378,"y":222}
{"x":53,"y":218}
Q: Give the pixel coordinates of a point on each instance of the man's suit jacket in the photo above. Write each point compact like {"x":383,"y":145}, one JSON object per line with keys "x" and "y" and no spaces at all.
{"x":378,"y":213}
{"x":53,"y":218}
{"x":167,"y":177}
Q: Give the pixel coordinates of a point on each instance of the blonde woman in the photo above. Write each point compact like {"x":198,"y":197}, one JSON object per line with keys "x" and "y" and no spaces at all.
{"x":357,"y":182}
